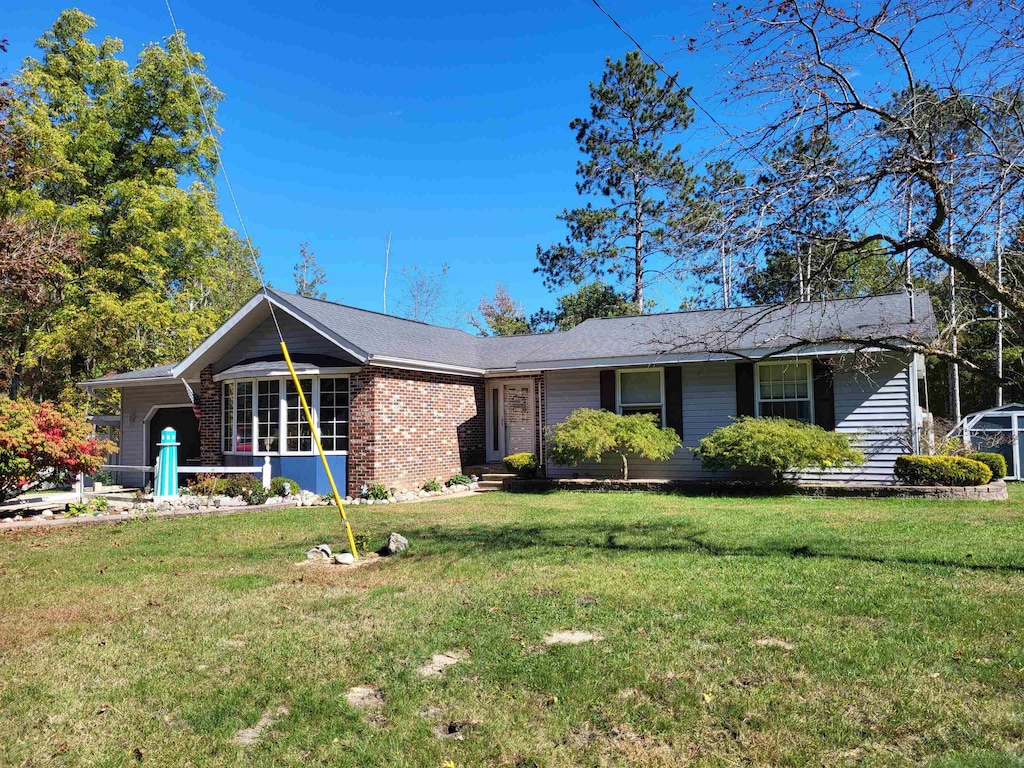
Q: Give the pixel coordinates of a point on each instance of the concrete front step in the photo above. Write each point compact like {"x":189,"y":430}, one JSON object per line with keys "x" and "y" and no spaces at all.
{"x":489,"y":485}
{"x":499,"y":476}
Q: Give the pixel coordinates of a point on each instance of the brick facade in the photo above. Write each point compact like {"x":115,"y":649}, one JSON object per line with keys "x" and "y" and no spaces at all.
{"x":209,"y":423}
{"x":406,"y":427}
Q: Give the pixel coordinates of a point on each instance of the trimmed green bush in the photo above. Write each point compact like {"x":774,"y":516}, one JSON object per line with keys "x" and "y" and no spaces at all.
{"x":524,"y":464}
{"x":994,"y":461}
{"x":458,"y":480}
{"x":240,"y":485}
{"x":589,"y":435}
{"x":277,"y":485}
{"x":777,"y":446}
{"x":941,"y":470}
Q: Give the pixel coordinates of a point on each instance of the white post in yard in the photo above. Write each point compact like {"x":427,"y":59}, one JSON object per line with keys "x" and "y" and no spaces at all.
{"x":266,"y":472}
{"x":80,"y":487}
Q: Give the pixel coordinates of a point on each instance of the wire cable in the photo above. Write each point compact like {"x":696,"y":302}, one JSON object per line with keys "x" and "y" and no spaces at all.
{"x":222,"y":167}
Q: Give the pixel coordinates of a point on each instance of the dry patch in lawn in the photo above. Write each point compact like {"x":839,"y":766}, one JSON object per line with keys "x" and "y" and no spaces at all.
{"x":439,"y":662}
{"x":571,"y":637}
{"x":774,"y":642}
{"x":248,"y":736}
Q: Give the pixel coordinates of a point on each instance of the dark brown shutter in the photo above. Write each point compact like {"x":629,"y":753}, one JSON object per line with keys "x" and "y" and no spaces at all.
{"x":608,"y":391}
{"x":674,"y":398}
{"x":744,"y":389}
{"x":824,"y":396}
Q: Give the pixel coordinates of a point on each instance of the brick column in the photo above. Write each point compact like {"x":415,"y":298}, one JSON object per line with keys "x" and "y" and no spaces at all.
{"x":362,"y":446}
{"x":209,"y":423}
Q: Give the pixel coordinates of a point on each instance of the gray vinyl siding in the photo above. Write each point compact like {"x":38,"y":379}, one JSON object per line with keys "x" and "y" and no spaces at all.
{"x":136,"y":403}
{"x":264,"y":342}
{"x":874,"y":407}
{"x":709,"y":400}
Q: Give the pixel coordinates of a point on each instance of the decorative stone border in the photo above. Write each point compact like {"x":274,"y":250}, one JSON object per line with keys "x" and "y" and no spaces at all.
{"x":994,"y":491}
{"x":39,"y":521}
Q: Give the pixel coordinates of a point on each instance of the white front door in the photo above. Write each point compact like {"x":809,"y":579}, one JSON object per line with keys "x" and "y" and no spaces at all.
{"x":511,"y":418}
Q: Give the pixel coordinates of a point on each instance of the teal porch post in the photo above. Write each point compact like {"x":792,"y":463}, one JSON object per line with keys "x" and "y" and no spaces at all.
{"x":166,"y":486}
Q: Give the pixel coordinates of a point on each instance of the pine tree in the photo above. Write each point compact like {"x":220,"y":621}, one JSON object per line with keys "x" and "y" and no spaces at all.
{"x":310,"y":277}
{"x":628,"y":231}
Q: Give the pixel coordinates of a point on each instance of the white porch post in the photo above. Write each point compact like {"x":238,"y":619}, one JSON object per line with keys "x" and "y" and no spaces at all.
{"x":266,"y":472}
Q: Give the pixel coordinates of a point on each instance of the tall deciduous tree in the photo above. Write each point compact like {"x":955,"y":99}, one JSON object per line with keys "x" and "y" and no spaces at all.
{"x":596,"y":299}
{"x":310,"y":277}
{"x":939,"y":70}
{"x":125,"y":164}
{"x":500,"y":315}
{"x":423,"y":293}
{"x":638,"y":182}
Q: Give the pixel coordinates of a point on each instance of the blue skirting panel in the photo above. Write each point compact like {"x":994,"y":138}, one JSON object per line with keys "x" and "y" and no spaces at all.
{"x":308,"y":471}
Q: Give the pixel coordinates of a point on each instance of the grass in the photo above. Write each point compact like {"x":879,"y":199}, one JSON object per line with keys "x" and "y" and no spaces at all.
{"x":892,"y":633}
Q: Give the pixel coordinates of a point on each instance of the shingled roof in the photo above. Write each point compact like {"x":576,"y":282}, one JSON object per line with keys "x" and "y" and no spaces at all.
{"x":693,"y":335}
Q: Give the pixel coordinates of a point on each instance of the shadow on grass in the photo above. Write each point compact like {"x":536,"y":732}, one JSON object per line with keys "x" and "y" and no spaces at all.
{"x":672,"y":537}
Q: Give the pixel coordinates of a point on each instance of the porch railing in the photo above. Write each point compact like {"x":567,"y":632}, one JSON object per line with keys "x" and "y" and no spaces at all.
{"x":262,"y":470}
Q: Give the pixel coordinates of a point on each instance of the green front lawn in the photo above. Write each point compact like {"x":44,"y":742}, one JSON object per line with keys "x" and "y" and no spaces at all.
{"x":735,"y":631}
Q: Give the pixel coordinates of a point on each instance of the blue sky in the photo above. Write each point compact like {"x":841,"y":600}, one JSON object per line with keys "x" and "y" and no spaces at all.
{"x":446,"y":124}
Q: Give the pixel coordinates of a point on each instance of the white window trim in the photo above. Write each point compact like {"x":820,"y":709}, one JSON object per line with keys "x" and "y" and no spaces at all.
{"x":810,"y":386}
{"x":282,"y":415}
{"x":618,"y":390}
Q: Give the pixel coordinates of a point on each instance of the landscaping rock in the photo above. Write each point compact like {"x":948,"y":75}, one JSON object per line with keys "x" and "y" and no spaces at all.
{"x":397,"y":543}
{"x":344,"y":558}
{"x":319,"y":552}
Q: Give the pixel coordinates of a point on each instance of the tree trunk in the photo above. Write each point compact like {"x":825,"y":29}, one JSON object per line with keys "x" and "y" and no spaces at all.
{"x":954,"y":368}
{"x":999,"y":304}
{"x":19,"y":368}
{"x":638,"y":244}
{"x":625,"y":467}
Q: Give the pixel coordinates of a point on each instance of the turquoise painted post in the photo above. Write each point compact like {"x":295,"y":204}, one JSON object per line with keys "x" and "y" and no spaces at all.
{"x":166,"y":486}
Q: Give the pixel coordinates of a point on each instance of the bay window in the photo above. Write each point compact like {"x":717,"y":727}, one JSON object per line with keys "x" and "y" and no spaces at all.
{"x":265,"y":415}
{"x":642,"y":391}
{"x":783,"y":389}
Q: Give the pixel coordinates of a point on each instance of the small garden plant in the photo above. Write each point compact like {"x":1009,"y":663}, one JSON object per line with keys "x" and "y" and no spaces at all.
{"x":777,"y":446}
{"x":459,"y":479}
{"x":589,"y":435}
{"x":283,"y":486}
{"x":432,"y":486}
{"x":523,"y":464}
{"x":377,"y":492}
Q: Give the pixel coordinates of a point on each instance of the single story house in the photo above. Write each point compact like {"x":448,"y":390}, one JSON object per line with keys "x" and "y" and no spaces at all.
{"x":399,"y":402}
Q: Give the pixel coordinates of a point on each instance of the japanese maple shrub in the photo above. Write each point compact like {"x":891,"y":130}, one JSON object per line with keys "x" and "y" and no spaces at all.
{"x":777,"y":446}
{"x":589,"y":435}
{"x":43,"y":442}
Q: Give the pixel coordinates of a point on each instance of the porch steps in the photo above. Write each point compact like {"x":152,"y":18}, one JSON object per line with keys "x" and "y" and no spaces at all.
{"x":492,"y":481}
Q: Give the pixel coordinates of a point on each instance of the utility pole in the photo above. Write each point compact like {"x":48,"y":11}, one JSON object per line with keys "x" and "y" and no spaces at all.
{"x":387,"y":259}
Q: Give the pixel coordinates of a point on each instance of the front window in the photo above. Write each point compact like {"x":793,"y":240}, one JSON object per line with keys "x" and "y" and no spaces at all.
{"x":784,"y":389}
{"x":334,"y":414}
{"x":299,"y":438}
{"x":266,"y":416}
{"x":642,"y":391}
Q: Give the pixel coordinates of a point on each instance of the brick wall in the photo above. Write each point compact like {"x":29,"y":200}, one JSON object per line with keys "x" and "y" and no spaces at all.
{"x":407,"y":427}
{"x":209,"y":422}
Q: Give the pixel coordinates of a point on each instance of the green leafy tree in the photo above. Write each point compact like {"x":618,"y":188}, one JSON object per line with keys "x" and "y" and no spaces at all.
{"x":640,"y":184}
{"x":124,"y":164}
{"x":500,"y":315}
{"x":777,"y":446}
{"x":590,"y":435}
{"x":595,"y":299}
{"x":41,"y":442}
{"x":310,"y":277}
